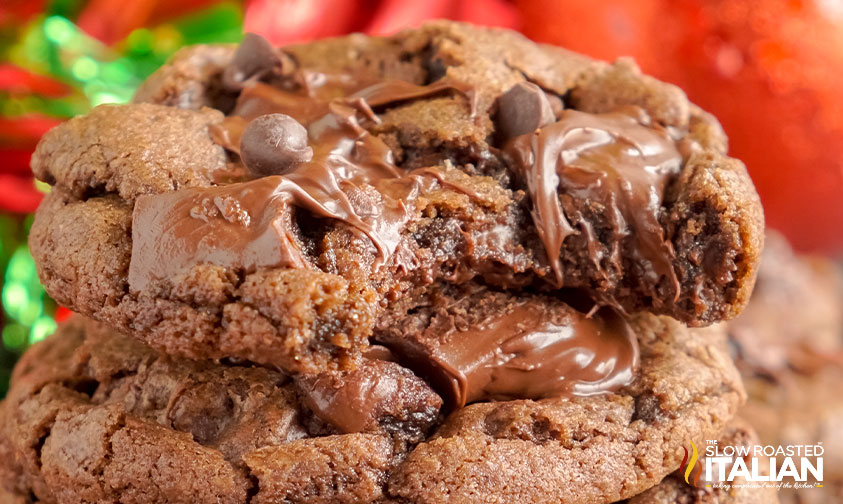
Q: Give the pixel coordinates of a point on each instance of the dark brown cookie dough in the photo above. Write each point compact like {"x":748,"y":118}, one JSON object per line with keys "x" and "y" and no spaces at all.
{"x":465,"y":211}
{"x":93,"y":416}
{"x":788,"y":346}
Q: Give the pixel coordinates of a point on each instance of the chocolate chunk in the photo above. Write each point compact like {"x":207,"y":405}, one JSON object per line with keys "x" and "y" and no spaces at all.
{"x":360,"y":400}
{"x":523,"y":109}
{"x":255,"y":58}
{"x":488,"y":346}
{"x":274,"y":144}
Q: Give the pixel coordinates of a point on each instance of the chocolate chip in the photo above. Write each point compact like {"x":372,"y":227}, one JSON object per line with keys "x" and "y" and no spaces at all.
{"x":254,"y":59}
{"x":274,"y":144}
{"x":360,"y":400}
{"x":523,"y":109}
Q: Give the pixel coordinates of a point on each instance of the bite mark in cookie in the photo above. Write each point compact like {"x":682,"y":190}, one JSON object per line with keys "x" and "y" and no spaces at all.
{"x":167,"y":231}
{"x":617,"y":165}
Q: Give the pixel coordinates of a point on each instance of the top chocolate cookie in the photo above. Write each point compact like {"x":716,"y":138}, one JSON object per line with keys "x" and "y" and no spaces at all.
{"x":268,"y":204}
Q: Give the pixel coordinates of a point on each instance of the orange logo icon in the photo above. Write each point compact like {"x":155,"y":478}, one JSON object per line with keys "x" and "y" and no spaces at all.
{"x":687,"y":466}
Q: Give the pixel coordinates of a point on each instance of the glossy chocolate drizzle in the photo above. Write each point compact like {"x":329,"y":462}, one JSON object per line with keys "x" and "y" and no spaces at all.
{"x":616,"y":163}
{"x":175,"y":230}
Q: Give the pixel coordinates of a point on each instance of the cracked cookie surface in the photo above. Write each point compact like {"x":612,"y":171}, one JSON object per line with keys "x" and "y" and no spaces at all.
{"x":94,"y":416}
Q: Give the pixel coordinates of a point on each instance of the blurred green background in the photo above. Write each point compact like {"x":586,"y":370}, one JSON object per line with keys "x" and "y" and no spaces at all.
{"x":51,"y":69}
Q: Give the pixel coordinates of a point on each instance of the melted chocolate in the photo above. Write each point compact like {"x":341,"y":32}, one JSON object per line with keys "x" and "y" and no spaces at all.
{"x":351,"y":402}
{"x":613,"y":164}
{"x":244,"y":225}
{"x":526,"y":350}
{"x":357,"y":401}
{"x":168,"y":238}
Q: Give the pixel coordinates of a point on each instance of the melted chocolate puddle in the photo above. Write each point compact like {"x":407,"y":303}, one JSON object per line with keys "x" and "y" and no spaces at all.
{"x":525,"y":350}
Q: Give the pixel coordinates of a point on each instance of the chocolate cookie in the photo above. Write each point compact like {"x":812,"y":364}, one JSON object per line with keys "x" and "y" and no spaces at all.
{"x":789,"y":348}
{"x":93,"y":416}
{"x":203,"y":221}
{"x":99,"y":417}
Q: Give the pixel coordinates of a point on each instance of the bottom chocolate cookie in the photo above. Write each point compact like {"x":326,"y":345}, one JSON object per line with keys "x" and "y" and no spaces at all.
{"x":93,"y":416}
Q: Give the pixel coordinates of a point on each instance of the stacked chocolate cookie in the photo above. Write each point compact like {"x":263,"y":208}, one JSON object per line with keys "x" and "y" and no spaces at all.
{"x":446,"y":265}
